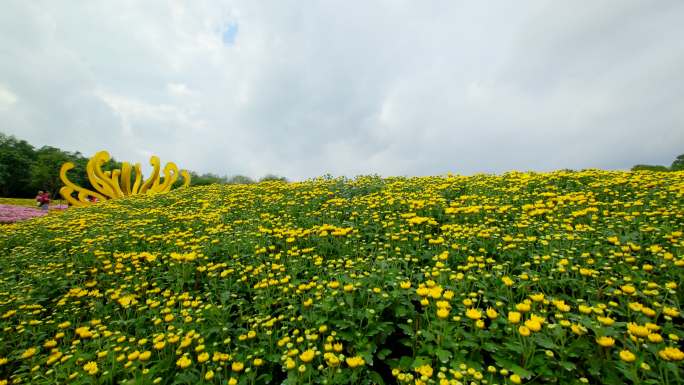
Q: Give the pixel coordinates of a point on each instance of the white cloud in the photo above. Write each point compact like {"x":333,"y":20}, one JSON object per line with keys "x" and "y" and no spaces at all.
{"x":7,"y":98}
{"x":178,"y":89}
{"x":391,"y":87}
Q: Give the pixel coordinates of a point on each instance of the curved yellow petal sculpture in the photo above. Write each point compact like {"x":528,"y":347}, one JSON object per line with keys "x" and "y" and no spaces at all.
{"x":138,"y":179}
{"x":169,"y":178}
{"x":126,"y":178}
{"x":105,"y":180}
{"x":97,"y":178}
{"x":186,"y":178}
{"x":66,"y":193}
{"x":83,"y":193}
{"x":117,"y":183}
{"x":154,"y":162}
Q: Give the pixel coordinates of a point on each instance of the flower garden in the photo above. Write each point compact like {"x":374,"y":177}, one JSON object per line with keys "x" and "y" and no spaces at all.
{"x":13,"y":213}
{"x":562,"y":277}
{"x":15,"y":210}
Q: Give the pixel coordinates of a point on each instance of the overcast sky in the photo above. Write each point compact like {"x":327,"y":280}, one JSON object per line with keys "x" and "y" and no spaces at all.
{"x":304,"y":88}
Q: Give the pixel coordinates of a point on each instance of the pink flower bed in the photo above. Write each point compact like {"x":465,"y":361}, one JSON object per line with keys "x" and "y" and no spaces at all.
{"x":11,"y":213}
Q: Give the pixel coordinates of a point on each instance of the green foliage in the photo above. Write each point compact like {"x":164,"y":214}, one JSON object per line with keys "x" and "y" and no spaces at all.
{"x":16,"y":157}
{"x":648,"y":167}
{"x":45,"y":169}
{"x":272,"y":177}
{"x":207,"y":179}
{"x":678,"y":163}
{"x":240,"y":179}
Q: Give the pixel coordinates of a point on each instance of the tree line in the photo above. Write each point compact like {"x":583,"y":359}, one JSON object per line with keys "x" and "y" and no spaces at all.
{"x":677,"y":165}
{"x":25,"y":169}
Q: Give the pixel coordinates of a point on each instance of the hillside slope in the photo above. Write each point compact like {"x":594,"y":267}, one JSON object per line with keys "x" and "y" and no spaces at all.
{"x":538,"y":278}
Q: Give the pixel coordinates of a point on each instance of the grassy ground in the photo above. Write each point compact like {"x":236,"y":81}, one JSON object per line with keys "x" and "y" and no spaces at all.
{"x":18,"y":202}
{"x":28,"y":202}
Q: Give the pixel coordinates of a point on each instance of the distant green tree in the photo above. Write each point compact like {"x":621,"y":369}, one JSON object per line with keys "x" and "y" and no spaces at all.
{"x":272,"y":177}
{"x":648,"y":167}
{"x":678,"y":163}
{"x":45,"y":169}
{"x":240,"y":179}
{"x":16,"y":159}
{"x":206,"y":179}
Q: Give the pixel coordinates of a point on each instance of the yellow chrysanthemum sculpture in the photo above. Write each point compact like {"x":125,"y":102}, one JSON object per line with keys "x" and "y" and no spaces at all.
{"x":117,"y":183}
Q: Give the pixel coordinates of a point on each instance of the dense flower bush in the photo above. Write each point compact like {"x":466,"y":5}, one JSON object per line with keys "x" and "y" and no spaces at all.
{"x":14,"y":210}
{"x":563,"y":277}
{"x":13,"y":213}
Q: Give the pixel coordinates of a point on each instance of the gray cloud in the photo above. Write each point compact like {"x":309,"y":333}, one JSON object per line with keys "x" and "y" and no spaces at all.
{"x":307,"y":88}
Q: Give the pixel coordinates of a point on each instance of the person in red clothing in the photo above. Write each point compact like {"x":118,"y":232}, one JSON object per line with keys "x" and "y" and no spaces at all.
{"x":39,"y":198}
{"x":46,"y":199}
{"x":43,"y":200}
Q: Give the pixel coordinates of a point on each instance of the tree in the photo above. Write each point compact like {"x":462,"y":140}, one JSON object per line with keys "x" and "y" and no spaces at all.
{"x":45,"y":169}
{"x":206,"y":179}
{"x":4,"y":175}
{"x":272,"y":177}
{"x":678,"y":163}
{"x":240,"y":179}
{"x":648,"y":167}
{"x":16,"y":158}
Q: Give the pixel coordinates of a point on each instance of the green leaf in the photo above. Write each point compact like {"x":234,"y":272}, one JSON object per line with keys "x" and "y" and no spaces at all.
{"x":400,"y":311}
{"x":506,"y":363}
{"x":545,"y":342}
{"x":569,"y":366}
{"x":421,"y":360}
{"x":405,"y":362}
{"x":427,"y":335}
{"x":367,"y":356}
{"x":595,"y":368}
{"x":443,"y":355}
{"x":383,"y":353}
{"x":376,"y":378}
{"x":490,"y":347}
{"x":521,"y":372}
{"x":516,"y":347}
{"x":407,"y":329}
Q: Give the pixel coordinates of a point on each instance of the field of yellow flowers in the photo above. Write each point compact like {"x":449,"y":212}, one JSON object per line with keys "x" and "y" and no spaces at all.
{"x":562,"y":277}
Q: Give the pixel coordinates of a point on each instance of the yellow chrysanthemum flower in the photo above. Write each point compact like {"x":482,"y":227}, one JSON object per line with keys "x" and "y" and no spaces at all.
{"x":307,"y":355}
{"x":627,"y":356}
{"x":473,"y":314}
{"x":514,"y":317}
{"x":524,"y":331}
{"x":183,"y":362}
{"x":605,"y":341}
{"x":90,"y":368}
{"x":671,"y":354}
{"x":355,"y":361}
